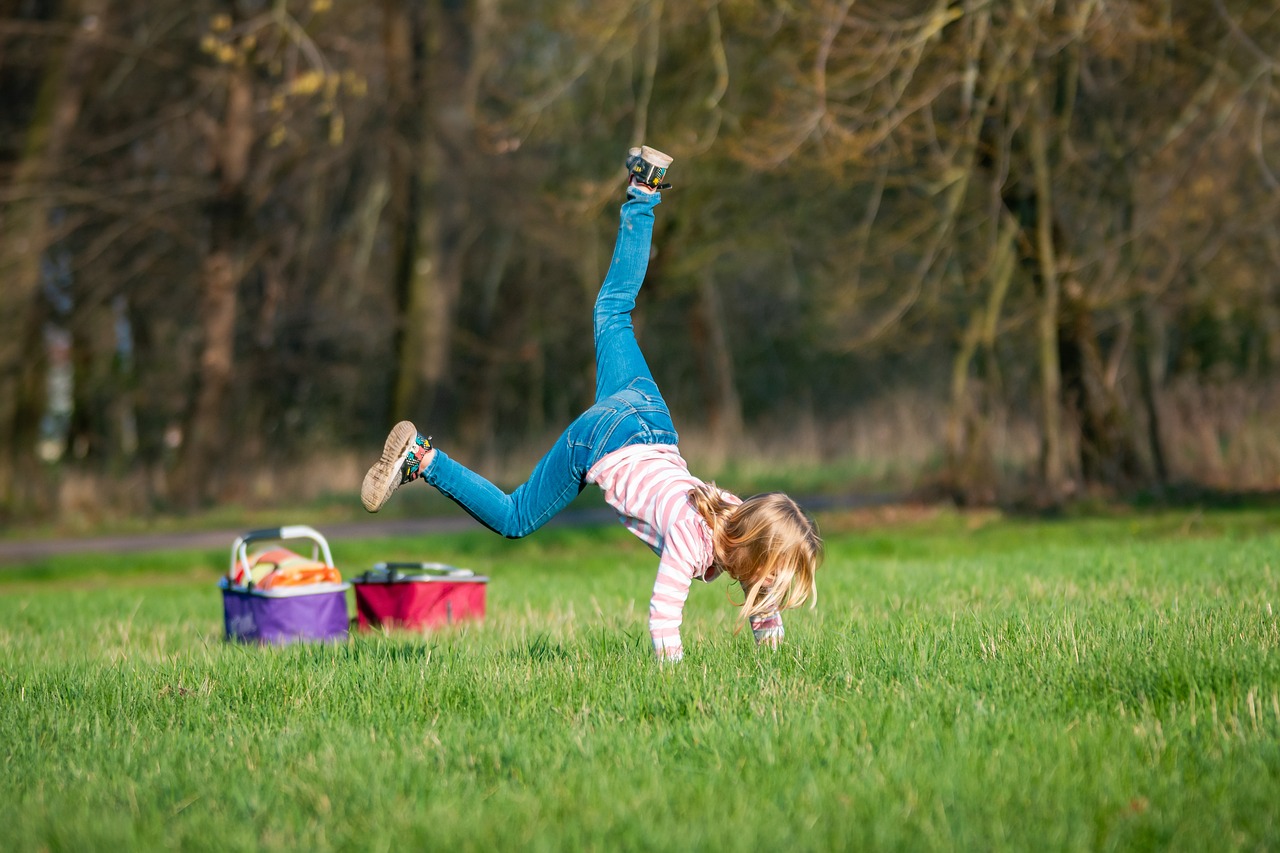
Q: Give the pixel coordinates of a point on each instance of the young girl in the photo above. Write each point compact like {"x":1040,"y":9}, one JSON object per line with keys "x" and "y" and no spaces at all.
{"x":626,"y":444}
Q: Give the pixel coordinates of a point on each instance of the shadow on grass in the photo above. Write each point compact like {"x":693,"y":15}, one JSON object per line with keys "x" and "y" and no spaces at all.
{"x":1110,"y":502}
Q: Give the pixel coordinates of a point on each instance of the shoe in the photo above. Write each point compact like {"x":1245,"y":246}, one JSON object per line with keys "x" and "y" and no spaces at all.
{"x":401,"y":463}
{"x":647,"y":167}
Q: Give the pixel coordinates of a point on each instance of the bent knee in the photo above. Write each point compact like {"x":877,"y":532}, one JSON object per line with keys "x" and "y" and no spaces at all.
{"x":517,"y":528}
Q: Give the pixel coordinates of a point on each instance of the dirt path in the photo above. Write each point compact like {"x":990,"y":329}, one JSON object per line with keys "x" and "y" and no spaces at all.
{"x":13,"y":553}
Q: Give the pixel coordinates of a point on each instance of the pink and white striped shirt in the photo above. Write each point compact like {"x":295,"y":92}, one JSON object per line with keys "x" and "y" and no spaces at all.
{"x":649,"y":487}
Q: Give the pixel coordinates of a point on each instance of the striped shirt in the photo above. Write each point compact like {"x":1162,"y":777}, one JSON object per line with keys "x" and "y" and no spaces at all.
{"x":648,"y":486}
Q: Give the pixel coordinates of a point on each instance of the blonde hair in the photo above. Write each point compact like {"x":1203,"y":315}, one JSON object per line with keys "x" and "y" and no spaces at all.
{"x":766,"y":543}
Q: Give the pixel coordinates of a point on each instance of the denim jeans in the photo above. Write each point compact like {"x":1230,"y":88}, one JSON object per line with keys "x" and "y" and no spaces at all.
{"x":628,"y":407}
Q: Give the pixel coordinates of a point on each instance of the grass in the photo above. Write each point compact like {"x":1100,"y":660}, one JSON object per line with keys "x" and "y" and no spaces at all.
{"x":967,"y":682}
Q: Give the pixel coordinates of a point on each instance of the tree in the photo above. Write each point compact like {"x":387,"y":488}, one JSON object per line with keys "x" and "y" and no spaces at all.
{"x":432,"y":54}
{"x":277,"y":42}
{"x":26,"y":235}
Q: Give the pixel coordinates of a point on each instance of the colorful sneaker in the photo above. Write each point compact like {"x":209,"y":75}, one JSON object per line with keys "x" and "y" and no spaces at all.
{"x":647,"y":167}
{"x":401,"y":463}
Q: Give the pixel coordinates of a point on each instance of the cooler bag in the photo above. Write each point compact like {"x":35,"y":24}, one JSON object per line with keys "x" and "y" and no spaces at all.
{"x":418,"y":595}
{"x":277,"y":596}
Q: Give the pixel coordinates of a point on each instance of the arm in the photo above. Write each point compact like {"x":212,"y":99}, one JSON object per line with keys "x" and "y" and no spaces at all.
{"x":767,"y":629}
{"x":666,"y":607}
{"x":670,"y":591}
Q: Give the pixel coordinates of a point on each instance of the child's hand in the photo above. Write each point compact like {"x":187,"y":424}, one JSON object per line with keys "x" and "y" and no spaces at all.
{"x":670,"y":655}
{"x":768,"y":630}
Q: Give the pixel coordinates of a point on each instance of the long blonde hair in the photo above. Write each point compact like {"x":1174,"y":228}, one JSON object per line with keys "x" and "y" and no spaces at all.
{"x":766,"y":543}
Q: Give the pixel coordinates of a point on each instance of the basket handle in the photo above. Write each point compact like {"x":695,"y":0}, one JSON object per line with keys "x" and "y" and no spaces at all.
{"x":319,"y":545}
{"x":443,"y":569}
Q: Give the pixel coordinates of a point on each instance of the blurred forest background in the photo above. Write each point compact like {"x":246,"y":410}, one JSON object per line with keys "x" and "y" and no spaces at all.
{"x":1000,"y":249}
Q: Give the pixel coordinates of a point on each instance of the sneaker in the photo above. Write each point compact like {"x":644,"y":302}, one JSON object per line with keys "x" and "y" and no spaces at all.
{"x":401,"y":463}
{"x":647,"y":167}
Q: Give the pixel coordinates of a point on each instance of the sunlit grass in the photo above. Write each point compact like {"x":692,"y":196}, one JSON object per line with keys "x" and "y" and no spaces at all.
{"x":965,"y":683}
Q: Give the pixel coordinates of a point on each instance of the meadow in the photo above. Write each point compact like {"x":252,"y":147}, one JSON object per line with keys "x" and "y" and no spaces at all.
{"x":966,"y":682}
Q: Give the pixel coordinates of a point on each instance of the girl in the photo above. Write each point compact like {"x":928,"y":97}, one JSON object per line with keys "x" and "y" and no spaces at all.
{"x":626,"y":444}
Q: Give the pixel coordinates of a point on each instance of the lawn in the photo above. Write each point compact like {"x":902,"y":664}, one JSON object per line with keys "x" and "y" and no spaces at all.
{"x":966,"y":682}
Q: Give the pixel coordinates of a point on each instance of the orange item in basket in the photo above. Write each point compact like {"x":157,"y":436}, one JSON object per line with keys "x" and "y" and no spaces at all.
{"x":280,"y":567}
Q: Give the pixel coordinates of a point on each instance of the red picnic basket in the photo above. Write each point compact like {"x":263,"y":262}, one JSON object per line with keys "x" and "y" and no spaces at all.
{"x":418,"y":595}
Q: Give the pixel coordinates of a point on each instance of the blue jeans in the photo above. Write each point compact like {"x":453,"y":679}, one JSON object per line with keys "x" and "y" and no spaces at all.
{"x":628,"y":407}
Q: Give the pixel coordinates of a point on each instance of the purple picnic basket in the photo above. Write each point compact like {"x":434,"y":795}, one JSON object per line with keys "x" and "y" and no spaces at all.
{"x":316,"y":611}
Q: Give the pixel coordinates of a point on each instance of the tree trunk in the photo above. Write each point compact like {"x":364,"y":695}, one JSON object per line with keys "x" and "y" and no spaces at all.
{"x":402,"y":42}
{"x":1147,"y":360}
{"x":1108,"y":456}
{"x":715,"y":365}
{"x":971,"y":475}
{"x":1051,"y":454}
{"x":444,"y":137}
{"x":1148,"y":345}
{"x":479,"y":412}
{"x":220,"y":274}
{"x":24,"y":238}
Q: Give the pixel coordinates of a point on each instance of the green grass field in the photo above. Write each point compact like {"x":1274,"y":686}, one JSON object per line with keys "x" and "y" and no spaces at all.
{"x":965,"y":683}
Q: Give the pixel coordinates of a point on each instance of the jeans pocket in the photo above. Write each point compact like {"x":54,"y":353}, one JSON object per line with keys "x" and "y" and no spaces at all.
{"x":623,"y":429}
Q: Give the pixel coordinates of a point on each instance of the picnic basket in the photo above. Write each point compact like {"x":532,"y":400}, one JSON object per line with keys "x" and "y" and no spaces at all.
{"x":275,"y":595}
{"x":418,"y":595}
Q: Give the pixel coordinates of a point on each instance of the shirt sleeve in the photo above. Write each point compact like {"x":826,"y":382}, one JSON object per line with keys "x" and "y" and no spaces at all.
{"x":767,"y":628}
{"x":676,"y":568}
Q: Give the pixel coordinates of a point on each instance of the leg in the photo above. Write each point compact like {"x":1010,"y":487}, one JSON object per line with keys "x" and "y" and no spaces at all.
{"x":636,"y":412}
{"x":556,"y":479}
{"x":618,"y":356}
{"x":554,"y":483}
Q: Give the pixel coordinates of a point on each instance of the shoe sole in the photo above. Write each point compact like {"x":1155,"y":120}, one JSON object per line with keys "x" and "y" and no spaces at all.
{"x":384,"y":477}
{"x":656,"y":157}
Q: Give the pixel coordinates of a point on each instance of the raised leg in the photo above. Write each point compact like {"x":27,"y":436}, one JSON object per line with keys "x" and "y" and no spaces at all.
{"x":618,"y":356}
